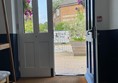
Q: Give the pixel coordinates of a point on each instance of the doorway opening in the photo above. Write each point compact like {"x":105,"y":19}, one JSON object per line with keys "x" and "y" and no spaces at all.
{"x":69,"y":37}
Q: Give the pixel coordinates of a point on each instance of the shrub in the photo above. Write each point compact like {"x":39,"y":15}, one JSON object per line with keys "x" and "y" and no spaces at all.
{"x":61,"y":26}
{"x":78,"y":39}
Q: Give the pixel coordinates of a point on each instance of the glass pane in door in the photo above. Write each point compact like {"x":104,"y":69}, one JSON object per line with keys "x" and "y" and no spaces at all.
{"x":28,"y":16}
{"x":43,"y":16}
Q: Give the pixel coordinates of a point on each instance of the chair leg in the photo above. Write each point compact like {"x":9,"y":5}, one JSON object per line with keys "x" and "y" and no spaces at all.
{"x":7,"y":79}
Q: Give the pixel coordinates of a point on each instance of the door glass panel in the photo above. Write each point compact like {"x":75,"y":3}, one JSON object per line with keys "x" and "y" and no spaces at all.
{"x":28,"y":16}
{"x":87,"y":15}
{"x":90,"y":14}
{"x":87,"y":53}
{"x":90,"y":57}
{"x":92,"y":60}
{"x":43,"y":16}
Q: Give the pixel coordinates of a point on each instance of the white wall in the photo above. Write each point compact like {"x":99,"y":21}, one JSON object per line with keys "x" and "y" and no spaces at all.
{"x":14,"y":23}
{"x":102,"y":9}
{"x":2,"y":25}
{"x":114,"y":14}
{"x":11,"y":17}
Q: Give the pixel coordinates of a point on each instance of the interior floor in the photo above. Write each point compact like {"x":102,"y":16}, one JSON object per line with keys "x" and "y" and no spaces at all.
{"x":56,"y":79}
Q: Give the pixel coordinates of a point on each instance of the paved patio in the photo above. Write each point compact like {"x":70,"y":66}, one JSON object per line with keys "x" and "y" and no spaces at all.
{"x":68,"y":64}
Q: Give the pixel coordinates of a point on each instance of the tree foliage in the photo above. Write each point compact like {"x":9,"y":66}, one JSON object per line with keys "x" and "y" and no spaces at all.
{"x":28,"y":26}
{"x":43,"y":27}
{"x":56,"y":3}
{"x":77,"y":26}
{"x":61,"y":26}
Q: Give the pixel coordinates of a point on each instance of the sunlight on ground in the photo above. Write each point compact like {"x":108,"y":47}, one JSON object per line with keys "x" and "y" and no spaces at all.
{"x":67,"y":63}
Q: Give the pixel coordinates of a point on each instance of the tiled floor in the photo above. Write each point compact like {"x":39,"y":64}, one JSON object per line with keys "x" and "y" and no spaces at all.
{"x":68,"y":64}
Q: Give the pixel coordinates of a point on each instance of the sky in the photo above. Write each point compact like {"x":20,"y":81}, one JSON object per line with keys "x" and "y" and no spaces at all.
{"x":42,"y":9}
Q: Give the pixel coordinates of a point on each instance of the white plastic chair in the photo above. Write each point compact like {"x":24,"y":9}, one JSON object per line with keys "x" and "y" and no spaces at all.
{"x":4,"y":76}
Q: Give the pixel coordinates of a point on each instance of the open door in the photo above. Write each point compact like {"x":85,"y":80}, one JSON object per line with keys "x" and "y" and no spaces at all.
{"x":36,"y":38}
{"x":91,"y":43}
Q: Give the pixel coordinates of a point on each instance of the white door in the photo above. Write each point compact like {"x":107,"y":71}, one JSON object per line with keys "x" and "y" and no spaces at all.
{"x":36,"y":38}
{"x":91,"y":43}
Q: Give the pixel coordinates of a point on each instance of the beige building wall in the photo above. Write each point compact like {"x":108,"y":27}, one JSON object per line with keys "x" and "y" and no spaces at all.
{"x":67,"y":13}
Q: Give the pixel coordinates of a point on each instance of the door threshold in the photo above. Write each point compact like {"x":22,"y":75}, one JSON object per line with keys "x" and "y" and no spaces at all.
{"x":70,"y":75}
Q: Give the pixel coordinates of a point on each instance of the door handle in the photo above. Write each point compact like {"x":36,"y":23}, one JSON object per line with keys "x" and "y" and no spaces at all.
{"x":91,"y":30}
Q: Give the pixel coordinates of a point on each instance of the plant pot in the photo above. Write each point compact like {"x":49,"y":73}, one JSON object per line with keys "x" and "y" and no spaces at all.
{"x":79,"y":48}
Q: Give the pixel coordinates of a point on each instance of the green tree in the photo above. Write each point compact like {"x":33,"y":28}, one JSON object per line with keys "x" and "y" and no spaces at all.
{"x":43,"y":27}
{"x":61,"y":26}
{"x":56,"y":3}
{"x":28,"y":26}
{"x":77,"y":27}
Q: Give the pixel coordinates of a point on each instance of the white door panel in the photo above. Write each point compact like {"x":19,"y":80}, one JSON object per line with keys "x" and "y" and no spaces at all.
{"x":44,"y":37}
{"x":45,"y":59}
{"x":36,"y":47}
{"x":40,"y":72}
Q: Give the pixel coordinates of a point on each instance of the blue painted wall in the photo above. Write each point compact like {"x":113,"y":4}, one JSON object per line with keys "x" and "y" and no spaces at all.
{"x":108,"y":56}
{"x":5,"y":55}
